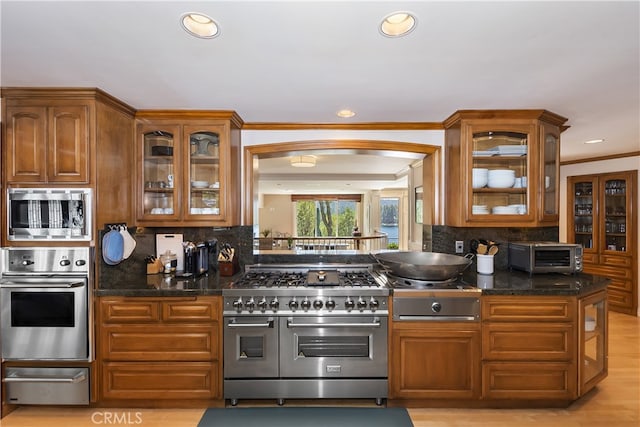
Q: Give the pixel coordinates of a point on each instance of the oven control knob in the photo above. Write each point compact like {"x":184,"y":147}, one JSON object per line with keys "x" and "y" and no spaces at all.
{"x":250,"y":305}
{"x":373,"y":304}
{"x":27,"y":262}
{"x":317,"y":304}
{"x":306,"y":304}
{"x":293,"y":304}
{"x":436,"y":307}
{"x":362,"y":304}
{"x":80,"y":262}
{"x":274,"y":304}
{"x":330,"y":304}
{"x":349,"y":304}
{"x":263,"y":304}
{"x":237,"y":304}
{"x":65,"y":262}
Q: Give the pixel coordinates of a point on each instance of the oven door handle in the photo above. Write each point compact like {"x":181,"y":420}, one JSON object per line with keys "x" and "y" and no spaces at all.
{"x":25,"y":285}
{"x":374,"y":324}
{"x":79,"y":377}
{"x":267,"y":324}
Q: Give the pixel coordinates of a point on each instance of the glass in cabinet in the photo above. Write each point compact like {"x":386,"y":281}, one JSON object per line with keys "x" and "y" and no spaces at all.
{"x":593,"y":340}
{"x":550,"y":173}
{"x":159,"y":172}
{"x":203,"y":185}
{"x":615,"y":214}
{"x":500,"y":173}
{"x":583,"y":213}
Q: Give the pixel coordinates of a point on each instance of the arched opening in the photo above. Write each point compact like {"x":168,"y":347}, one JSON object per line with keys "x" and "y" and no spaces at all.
{"x":428,"y":156}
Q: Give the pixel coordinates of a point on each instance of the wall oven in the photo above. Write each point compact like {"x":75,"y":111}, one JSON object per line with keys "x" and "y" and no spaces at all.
{"x":45,"y":321}
{"x":49,"y":214}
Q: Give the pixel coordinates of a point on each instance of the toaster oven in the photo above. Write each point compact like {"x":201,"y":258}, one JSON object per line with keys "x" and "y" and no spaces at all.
{"x":545,"y":257}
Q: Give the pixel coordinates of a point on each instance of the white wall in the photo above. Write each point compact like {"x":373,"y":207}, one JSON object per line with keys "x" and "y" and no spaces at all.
{"x":602,"y":166}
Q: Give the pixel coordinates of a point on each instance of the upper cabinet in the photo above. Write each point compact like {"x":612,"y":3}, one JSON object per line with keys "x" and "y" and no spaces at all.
{"x":502,"y":168}
{"x":189,"y":168}
{"x":70,"y":137}
{"x":47,"y":143}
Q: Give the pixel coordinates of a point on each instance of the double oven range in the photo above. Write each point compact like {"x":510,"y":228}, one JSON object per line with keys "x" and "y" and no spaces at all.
{"x":45,"y":318}
{"x":306,"y":331}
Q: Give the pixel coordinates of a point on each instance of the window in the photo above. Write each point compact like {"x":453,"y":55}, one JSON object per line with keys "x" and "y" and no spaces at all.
{"x":325,"y":216}
{"x":389,"y":208}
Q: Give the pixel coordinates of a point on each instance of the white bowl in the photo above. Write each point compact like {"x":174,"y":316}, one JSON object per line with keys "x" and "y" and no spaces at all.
{"x":480,"y":171}
{"x":479,"y":181}
{"x":501,"y":182}
{"x":199,"y":184}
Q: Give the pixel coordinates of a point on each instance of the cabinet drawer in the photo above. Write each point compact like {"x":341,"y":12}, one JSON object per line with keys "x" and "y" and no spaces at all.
{"x":589,"y":258}
{"x":202,"y":310}
{"x":121,"y":311}
{"x":144,"y":342}
{"x":613,"y":271}
{"x":621,"y":261}
{"x":519,"y":380}
{"x":537,"y":309}
{"x":188,"y":380}
{"x":621,"y":285}
{"x":617,"y":298}
{"x":517,"y":341}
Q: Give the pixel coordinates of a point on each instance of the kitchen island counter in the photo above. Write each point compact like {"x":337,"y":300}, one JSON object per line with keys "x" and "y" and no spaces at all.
{"x":506,"y":282}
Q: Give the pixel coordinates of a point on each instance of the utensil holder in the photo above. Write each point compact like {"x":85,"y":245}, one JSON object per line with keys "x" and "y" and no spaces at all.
{"x":485,"y":264}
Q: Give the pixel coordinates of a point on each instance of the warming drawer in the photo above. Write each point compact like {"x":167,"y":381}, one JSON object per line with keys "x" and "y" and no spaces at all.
{"x":47,"y":386}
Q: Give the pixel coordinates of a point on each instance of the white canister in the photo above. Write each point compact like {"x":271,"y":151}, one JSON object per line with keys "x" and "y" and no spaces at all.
{"x":485,"y":264}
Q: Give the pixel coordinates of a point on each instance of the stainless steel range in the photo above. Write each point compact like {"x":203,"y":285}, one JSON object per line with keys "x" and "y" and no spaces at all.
{"x":306,"y":331}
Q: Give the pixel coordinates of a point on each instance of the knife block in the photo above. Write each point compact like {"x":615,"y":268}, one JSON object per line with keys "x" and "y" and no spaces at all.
{"x":228,"y":268}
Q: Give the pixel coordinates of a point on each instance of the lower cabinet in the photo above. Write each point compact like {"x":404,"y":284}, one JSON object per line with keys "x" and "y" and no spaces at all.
{"x":160,"y":348}
{"x":527,"y":351}
{"x":529,"y":348}
{"x":434,"y":360}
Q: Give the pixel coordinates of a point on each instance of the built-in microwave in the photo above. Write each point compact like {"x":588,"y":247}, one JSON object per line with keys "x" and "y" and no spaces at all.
{"x":545,"y":257}
{"x":49,"y":214}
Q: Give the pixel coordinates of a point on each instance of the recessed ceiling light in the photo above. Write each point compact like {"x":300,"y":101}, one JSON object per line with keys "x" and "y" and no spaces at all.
{"x":594,"y":141}
{"x":199,"y":25}
{"x":397,"y":24}
{"x":345,"y":113}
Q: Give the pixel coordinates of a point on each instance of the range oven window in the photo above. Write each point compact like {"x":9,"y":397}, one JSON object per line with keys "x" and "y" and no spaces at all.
{"x":336,"y":346}
{"x":251,"y":347}
{"x":42,"y":309}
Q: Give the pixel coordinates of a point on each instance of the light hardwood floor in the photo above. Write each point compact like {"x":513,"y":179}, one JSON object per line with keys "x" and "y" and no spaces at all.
{"x":614,"y":403}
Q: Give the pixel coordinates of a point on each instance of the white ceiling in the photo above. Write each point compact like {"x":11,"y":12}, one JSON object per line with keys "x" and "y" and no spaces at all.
{"x":301,"y":61}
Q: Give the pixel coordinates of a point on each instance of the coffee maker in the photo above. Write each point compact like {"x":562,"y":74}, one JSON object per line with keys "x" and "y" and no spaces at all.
{"x":198,"y":257}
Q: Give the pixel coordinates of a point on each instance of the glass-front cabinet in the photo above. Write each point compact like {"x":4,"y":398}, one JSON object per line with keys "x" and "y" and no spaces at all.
{"x":602,"y":217}
{"x":593,"y":341}
{"x":502,"y":167}
{"x":188,"y":171}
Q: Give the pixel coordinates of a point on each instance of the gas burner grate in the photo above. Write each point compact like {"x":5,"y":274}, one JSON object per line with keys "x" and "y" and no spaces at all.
{"x":298,"y":279}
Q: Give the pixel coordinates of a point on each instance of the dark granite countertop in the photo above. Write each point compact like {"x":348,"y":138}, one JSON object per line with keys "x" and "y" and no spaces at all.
{"x":154,"y":285}
{"x":500,"y":283}
{"x":505,"y":282}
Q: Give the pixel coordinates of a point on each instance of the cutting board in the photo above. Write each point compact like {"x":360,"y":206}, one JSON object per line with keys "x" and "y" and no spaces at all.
{"x":173,"y":243}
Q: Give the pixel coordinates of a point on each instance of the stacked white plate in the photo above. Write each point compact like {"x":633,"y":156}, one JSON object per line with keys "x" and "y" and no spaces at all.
{"x":480,"y":177}
{"x":520,"y":208}
{"x":501,"y":178}
{"x":510,"y":150}
{"x":504,"y":210}
{"x":479,"y":210}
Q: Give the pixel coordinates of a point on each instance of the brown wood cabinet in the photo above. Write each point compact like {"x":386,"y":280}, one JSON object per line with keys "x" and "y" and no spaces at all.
{"x":159,"y":348}
{"x":480,"y":145}
{"x":70,"y":137}
{"x":543,"y":348}
{"x":433,"y":360}
{"x":188,"y":168}
{"x":602,"y":216}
